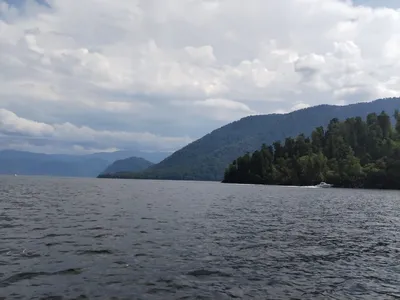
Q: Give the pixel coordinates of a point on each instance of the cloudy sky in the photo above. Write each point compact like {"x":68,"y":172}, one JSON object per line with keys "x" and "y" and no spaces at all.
{"x":91,"y":75}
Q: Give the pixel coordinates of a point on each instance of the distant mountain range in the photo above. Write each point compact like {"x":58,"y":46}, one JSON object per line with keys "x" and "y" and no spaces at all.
{"x":207,"y":158}
{"x":154,"y":156}
{"x":91,"y":165}
{"x":132,"y":164}
{"x":204,"y":159}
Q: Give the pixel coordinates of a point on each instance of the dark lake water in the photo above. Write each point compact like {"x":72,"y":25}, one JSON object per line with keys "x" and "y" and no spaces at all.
{"x":110,"y":239}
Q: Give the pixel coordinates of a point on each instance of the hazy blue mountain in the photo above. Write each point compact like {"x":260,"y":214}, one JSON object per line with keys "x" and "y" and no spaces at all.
{"x":132,"y":164}
{"x":207,"y":157}
{"x":28,"y":163}
{"x":154,"y":157}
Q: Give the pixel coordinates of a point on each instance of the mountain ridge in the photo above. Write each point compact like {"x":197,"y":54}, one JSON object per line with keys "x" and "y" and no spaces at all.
{"x":207,"y":157}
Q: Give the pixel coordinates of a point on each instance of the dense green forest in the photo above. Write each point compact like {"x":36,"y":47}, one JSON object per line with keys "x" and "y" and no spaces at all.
{"x":207,"y":157}
{"x":352,"y":153}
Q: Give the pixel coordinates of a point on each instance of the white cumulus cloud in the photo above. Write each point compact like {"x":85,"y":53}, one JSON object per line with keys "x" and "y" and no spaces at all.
{"x":110,"y":74}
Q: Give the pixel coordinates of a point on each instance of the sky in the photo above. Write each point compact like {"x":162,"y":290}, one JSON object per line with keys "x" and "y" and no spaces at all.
{"x":99,"y":75}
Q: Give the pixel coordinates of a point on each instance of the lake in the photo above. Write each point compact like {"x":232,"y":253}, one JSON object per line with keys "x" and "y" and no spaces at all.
{"x":64,"y":238}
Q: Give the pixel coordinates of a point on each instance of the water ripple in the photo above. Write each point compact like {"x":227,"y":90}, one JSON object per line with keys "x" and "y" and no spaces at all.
{"x":195,"y":240}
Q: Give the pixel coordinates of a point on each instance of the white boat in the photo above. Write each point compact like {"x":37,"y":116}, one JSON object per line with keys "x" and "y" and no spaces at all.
{"x":324,"y":185}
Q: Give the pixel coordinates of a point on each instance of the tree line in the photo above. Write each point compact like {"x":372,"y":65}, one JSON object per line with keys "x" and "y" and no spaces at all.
{"x":354,"y":153}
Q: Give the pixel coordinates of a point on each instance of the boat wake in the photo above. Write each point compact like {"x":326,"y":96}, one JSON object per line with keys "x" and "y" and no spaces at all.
{"x":318,"y":186}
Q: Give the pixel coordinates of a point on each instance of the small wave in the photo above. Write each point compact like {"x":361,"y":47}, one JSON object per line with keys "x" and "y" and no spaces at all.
{"x":21,"y":276}
{"x":30,"y":275}
{"x":51,"y":235}
{"x":149,"y":284}
{"x":8,"y":225}
{"x":72,"y":271}
{"x":26,"y":253}
{"x":94,"y":252}
{"x":165,"y":280}
{"x":140,"y":254}
{"x":101,"y":235}
{"x":205,"y":272}
{"x":235,"y":293}
{"x":254,"y":246}
{"x":6,"y":218}
{"x":81,"y":297}
{"x":39,"y":229}
{"x":52,"y":244}
{"x":158,"y":291}
{"x":18,"y":252}
{"x":94,"y":228}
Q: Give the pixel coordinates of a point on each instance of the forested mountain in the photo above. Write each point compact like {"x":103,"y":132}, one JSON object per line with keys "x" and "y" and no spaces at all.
{"x":132,"y":164}
{"x":207,"y":158}
{"x":153,"y":157}
{"x":91,"y":165}
{"x":351,"y":153}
